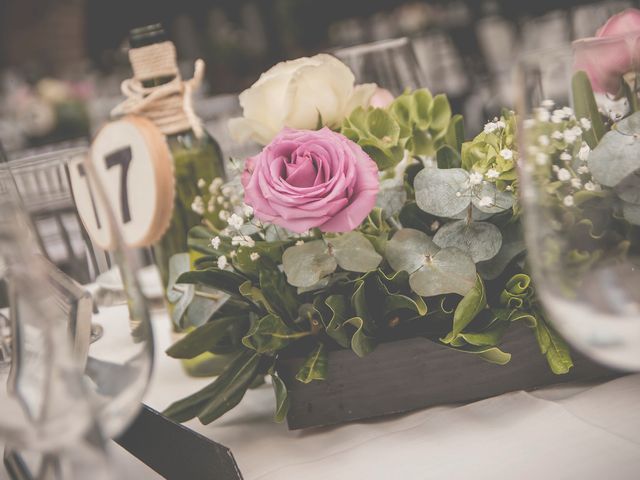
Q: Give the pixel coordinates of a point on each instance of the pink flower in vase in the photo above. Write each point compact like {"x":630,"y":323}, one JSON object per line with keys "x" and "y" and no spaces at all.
{"x":381,"y":98}
{"x":306,"y":179}
{"x":612,"y":53}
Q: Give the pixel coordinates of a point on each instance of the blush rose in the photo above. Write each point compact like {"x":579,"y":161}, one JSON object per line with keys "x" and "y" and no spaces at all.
{"x":306,"y":179}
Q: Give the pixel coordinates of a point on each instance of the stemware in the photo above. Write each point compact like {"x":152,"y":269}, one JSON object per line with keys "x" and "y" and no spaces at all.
{"x":581,"y":224}
{"x":391,"y":64}
{"x":45,"y":410}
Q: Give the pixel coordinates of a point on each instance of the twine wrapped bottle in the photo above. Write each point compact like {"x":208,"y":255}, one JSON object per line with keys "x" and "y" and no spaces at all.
{"x":158,"y":92}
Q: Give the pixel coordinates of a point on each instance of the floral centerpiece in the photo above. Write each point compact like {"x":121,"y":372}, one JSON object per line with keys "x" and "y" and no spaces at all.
{"x":368,"y":218}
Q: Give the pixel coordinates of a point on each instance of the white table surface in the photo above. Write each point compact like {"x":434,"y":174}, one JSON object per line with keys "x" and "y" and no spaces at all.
{"x":563,"y":432}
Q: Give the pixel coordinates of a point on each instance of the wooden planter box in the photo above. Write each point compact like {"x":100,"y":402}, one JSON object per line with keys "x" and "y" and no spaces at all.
{"x":415,"y":373}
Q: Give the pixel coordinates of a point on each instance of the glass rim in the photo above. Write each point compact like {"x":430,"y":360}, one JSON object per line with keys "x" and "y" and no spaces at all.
{"x":372,"y":46}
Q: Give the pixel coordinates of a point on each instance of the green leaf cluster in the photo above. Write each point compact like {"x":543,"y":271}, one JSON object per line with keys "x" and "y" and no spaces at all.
{"x":416,"y":123}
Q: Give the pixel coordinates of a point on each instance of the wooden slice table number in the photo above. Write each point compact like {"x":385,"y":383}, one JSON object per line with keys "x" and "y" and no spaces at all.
{"x":132,"y":161}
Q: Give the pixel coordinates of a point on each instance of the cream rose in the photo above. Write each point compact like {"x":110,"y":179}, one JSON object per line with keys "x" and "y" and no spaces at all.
{"x":297,"y":94}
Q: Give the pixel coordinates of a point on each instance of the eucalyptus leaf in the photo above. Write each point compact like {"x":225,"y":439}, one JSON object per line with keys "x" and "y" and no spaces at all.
{"x":512,"y":246}
{"x":615,"y":158}
{"x":354,"y":252}
{"x":282,"y":397}
{"x":411,"y":216}
{"x":631,"y":213}
{"x":270,"y":334}
{"x":476,"y":214}
{"x":306,"y":264}
{"x":500,"y":201}
{"x":629,"y":189}
{"x":391,"y":197}
{"x":442,"y":192}
{"x":481,"y":240}
{"x":315,"y":366}
{"x":629,"y":125}
{"x":448,"y":271}
{"x":408,"y":248}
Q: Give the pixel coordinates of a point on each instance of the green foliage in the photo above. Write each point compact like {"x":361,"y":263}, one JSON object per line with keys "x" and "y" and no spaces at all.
{"x":416,"y":122}
{"x":315,"y":366}
{"x":585,"y":106}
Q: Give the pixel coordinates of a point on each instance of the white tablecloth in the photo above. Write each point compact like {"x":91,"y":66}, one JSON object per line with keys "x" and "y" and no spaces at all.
{"x":564,"y":432}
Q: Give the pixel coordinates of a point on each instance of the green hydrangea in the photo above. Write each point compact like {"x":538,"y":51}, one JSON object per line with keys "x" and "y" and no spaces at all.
{"x":416,"y":122}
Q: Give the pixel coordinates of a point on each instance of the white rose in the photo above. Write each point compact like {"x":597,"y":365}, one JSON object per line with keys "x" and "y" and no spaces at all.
{"x":296,"y":94}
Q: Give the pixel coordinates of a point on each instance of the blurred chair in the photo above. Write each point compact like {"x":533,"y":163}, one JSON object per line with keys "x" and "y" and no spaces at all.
{"x":43,"y":184}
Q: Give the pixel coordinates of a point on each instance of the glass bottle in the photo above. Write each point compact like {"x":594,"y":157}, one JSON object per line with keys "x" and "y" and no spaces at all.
{"x":195,"y":158}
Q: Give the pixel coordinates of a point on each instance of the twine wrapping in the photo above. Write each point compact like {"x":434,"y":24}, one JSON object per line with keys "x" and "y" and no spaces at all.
{"x":169,"y":106}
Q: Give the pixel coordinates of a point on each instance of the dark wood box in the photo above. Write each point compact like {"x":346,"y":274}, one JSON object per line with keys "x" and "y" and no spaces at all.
{"x":415,"y":373}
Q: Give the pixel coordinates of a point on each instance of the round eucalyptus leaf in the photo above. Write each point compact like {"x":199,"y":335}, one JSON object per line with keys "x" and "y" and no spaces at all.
{"x":354,"y":252}
{"x":481,"y":240}
{"x":476,"y":214}
{"x":498,"y":201}
{"x":448,"y":271}
{"x":629,"y":189}
{"x":442,"y":192}
{"x":615,"y":158}
{"x":631,"y":213}
{"x":629,"y":125}
{"x":408,"y":249}
{"x":304,"y":265}
{"x":391,"y":197}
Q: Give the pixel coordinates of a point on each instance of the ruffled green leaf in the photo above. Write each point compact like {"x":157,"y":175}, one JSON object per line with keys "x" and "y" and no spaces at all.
{"x":554,"y":348}
{"x":361,"y":342}
{"x":455,"y":134}
{"x":270,"y":334}
{"x":440,"y":115}
{"x":315,"y":366}
{"x":278,"y":293}
{"x":339,"y":315}
{"x":470,"y":306}
{"x":282,"y":397}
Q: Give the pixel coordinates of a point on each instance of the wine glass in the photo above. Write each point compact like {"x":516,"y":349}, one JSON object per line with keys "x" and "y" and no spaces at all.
{"x":120,"y":357}
{"x":45,"y":409}
{"x":580,"y":197}
{"x":391,"y":64}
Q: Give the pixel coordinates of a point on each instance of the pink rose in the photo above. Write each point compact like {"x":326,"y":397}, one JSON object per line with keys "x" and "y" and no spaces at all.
{"x":381,"y":98}
{"x":611,"y":53}
{"x":305,"y":179}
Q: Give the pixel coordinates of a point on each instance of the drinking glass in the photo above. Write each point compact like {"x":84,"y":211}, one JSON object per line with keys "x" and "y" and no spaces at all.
{"x":391,"y":64}
{"x":120,"y":351}
{"x":580,"y":195}
{"x":45,"y":411}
